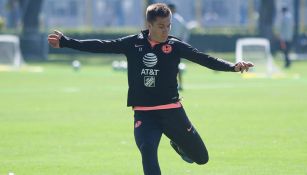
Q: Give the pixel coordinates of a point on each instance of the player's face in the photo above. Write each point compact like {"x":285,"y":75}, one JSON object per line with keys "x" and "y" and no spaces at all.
{"x":159,"y":29}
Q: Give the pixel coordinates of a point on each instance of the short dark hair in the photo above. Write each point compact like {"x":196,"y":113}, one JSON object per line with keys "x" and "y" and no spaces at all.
{"x":157,"y":10}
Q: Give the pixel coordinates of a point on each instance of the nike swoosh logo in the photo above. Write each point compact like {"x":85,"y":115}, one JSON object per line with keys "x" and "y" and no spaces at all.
{"x":138,"y":45}
{"x":189,"y":129}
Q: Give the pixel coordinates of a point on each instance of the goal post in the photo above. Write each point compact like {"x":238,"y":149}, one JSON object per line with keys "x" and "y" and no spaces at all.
{"x":10,"y":53}
{"x":258,"y":51}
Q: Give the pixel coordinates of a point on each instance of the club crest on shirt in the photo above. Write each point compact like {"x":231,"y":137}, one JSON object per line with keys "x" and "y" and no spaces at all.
{"x":166,"y":48}
{"x":138,"y":124}
{"x":149,"y":81}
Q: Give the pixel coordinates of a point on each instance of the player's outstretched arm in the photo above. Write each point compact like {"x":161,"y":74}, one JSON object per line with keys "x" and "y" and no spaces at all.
{"x":59,"y":40}
{"x":192,"y":54}
{"x":243,"y":66}
{"x":54,"y":39}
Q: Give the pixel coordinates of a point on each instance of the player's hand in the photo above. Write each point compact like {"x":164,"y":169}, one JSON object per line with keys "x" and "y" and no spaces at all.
{"x":54,"y":39}
{"x":243,"y":66}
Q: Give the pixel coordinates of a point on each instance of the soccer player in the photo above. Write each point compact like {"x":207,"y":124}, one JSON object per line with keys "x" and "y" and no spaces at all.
{"x":286,"y":33}
{"x":153,"y":57}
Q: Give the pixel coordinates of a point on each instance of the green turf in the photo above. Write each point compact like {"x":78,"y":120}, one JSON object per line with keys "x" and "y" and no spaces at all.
{"x":65,"y":122}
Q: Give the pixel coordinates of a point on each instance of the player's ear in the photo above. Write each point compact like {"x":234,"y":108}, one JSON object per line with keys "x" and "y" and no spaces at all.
{"x":148,"y":25}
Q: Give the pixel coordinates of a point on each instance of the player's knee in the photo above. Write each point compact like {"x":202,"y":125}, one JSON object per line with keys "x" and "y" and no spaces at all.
{"x":203,"y":159}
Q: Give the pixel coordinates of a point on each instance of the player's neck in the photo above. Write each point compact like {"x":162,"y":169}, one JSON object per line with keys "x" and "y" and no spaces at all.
{"x":151,"y":39}
{"x":154,"y":39}
{"x":152,"y":42}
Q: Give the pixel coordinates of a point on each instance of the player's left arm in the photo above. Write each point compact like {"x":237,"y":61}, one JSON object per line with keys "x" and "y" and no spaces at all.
{"x":192,"y":54}
{"x":243,"y":66}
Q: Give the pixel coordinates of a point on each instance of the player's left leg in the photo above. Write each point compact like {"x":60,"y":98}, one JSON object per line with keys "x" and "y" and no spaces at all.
{"x":180,"y":130}
{"x":180,"y":152}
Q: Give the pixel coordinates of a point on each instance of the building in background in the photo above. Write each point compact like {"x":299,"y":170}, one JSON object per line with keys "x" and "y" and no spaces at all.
{"x":98,"y":14}
{"x":93,"y":14}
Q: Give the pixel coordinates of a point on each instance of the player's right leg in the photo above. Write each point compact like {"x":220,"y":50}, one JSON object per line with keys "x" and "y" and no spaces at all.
{"x":147,"y":133}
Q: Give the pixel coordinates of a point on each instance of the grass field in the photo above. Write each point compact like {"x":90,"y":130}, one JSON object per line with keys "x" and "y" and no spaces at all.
{"x":61,"y":122}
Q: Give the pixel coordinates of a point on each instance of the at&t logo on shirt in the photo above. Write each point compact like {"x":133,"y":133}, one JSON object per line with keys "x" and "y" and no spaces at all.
{"x":150,"y":74}
{"x":150,"y":60}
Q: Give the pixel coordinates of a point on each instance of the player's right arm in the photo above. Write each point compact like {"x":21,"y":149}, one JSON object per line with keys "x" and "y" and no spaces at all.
{"x":58,"y":40}
{"x":54,"y":39}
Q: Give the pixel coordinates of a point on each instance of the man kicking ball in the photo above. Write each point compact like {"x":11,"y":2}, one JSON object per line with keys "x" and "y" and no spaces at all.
{"x":153,"y":57}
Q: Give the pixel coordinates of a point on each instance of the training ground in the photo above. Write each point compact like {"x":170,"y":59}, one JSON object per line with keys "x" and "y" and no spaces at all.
{"x":65,"y":122}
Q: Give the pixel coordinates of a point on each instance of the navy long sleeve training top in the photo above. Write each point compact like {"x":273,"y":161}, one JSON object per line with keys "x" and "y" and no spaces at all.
{"x":152,"y":71}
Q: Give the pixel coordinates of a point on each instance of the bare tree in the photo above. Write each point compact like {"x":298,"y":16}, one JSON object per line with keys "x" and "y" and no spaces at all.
{"x":267,"y":13}
{"x":33,"y":42}
{"x":30,"y":15}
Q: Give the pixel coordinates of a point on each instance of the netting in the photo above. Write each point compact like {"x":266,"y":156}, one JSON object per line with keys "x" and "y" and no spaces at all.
{"x":10,"y":54}
{"x":257,"y":51}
